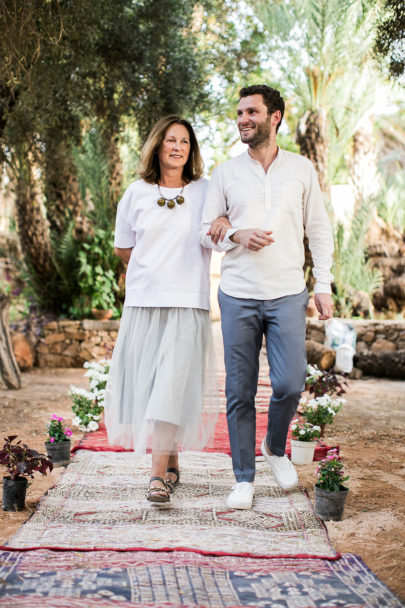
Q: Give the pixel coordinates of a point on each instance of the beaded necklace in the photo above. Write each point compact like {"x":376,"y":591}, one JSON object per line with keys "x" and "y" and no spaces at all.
{"x":171,"y":202}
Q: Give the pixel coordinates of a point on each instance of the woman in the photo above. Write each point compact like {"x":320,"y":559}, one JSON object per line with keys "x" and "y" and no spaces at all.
{"x":161,"y":392}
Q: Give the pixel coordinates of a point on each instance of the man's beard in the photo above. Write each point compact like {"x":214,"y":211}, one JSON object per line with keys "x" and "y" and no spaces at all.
{"x":261,"y":136}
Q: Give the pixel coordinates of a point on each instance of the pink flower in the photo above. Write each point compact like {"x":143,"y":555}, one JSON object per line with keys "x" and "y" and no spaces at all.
{"x":54,"y":417}
{"x":51,"y":439}
{"x":67,"y":432}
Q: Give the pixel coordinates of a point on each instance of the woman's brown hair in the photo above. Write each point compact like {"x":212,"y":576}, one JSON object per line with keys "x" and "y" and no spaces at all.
{"x":150,"y":168}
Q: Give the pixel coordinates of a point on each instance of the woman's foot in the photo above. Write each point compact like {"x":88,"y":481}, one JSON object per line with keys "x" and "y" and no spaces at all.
{"x":172,"y":478}
{"x":158,"y":490}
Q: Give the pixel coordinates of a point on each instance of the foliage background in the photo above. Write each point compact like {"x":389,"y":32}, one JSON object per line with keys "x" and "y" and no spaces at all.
{"x":81,"y":83}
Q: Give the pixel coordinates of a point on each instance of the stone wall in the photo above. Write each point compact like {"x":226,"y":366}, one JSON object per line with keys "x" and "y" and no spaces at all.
{"x":372,"y":336}
{"x":71,"y":343}
{"x":380,"y":346}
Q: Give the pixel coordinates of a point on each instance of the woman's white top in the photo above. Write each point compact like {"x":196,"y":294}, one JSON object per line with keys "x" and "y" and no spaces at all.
{"x":168,"y":266}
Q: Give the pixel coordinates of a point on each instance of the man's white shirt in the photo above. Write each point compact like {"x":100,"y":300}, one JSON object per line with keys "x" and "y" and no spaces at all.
{"x":287,"y":200}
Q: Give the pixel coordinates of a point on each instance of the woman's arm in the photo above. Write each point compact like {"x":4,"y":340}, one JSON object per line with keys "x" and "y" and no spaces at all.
{"x":123,"y":254}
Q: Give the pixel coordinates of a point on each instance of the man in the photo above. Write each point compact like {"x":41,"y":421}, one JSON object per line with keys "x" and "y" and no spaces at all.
{"x":270,"y":196}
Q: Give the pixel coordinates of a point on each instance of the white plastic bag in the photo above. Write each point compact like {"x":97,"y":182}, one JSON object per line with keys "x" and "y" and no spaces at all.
{"x":344,"y":358}
{"x":341,"y":336}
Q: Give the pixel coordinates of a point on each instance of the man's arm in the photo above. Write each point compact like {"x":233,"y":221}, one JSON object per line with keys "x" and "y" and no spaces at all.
{"x":214,"y":208}
{"x":319,"y":233}
{"x":123,"y":254}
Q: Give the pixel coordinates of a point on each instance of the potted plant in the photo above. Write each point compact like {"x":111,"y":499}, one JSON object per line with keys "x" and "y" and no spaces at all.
{"x":97,"y":372}
{"x":321,"y":410}
{"x":303,"y":442}
{"x":330,"y":491}
{"x":21,"y":462}
{"x":319,"y":382}
{"x":86,"y":408}
{"x":58,"y":442}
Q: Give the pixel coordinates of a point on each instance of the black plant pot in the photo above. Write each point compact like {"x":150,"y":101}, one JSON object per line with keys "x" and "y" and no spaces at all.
{"x":330,"y":505}
{"x":59,"y":452}
{"x":14,"y":491}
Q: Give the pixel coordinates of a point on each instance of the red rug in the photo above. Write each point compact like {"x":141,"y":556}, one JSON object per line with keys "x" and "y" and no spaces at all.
{"x":98,"y":442}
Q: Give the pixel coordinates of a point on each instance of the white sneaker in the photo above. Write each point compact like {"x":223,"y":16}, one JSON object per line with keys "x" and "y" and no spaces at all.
{"x":282,"y":468}
{"x":241,"y":496}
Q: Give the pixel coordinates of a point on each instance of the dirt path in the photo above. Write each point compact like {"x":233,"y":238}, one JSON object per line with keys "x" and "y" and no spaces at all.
{"x":370,"y":431}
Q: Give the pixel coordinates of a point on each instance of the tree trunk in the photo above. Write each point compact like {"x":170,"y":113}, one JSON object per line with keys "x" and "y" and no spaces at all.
{"x":311,"y":136}
{"x":33,"y":227}
{"x":8,"y":365}
{"x":60,"y":184}
{"x":323,"y":356}
{"x":390,"y":364}
{"x":114,"y":169}
{"x":364,"y":176}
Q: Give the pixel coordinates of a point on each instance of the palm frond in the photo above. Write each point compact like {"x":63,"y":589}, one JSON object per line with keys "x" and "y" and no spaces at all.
{"x":351,"y":270}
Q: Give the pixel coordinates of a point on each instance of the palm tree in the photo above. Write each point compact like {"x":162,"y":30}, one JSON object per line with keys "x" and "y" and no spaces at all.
{"x":321,"y":50}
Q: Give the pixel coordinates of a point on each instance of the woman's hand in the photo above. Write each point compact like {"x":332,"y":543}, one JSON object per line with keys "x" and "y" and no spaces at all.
{"x":218,"y":229}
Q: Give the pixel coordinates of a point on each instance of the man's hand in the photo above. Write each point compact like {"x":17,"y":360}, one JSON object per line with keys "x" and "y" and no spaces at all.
{"x":253,"y":238}
{"x":324,"y":304}
{"x":218,"y":229}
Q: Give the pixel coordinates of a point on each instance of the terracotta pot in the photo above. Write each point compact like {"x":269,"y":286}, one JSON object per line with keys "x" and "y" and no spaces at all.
{"x":59,"y":452}
{"x":302,"y":452}
{"x":102,"y":315}
{"x":14,"y":491}
{"x":330,"y":505}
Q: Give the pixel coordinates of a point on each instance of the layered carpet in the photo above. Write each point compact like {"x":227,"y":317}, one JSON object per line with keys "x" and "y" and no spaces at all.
{"x":99,"y":503}
{"x":98,"y":442}
{"x":46,"y":579}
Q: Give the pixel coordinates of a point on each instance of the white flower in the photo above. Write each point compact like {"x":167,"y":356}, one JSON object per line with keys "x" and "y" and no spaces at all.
{"x":92,"y":426}
{"x":316,"y":427}
{"x":95,"y":417}
{"x":82,"y":427}
{"x":75,"y":390}
{"x":76,"y":421}
{"x":313,"y":372}
{"x":293,"y":426}
{"x":303,"y":400}
{"x":302,"y":432}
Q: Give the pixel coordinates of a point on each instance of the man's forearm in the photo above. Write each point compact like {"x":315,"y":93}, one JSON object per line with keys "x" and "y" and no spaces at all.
{"x":123,"y":254}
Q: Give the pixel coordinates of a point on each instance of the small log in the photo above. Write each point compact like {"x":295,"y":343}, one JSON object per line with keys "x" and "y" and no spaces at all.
{"x":23,"y":351}
{"x":8,"y":365}
{"x":383,"y":363}
{"x":319,"y":354}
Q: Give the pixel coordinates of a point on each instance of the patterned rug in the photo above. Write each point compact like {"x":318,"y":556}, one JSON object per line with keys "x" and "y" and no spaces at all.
{"x":98,"y":442}
{"x":46,"y":579}
{"x":99,"y":503}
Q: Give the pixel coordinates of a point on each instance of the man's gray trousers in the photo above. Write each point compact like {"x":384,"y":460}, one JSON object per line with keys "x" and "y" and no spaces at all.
{"x":244,"y":321}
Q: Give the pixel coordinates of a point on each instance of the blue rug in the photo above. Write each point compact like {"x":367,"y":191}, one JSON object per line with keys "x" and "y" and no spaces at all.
{"x":104,"y":579}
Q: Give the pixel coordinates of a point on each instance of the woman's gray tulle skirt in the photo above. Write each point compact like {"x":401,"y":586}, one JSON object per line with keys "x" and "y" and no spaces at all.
{"x":162,"y":370}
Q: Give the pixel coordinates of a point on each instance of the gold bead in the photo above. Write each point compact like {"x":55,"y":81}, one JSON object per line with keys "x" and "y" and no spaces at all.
{"x":180,"y":200}
{"x":161,"y":202}
{"x":171,"y":204}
